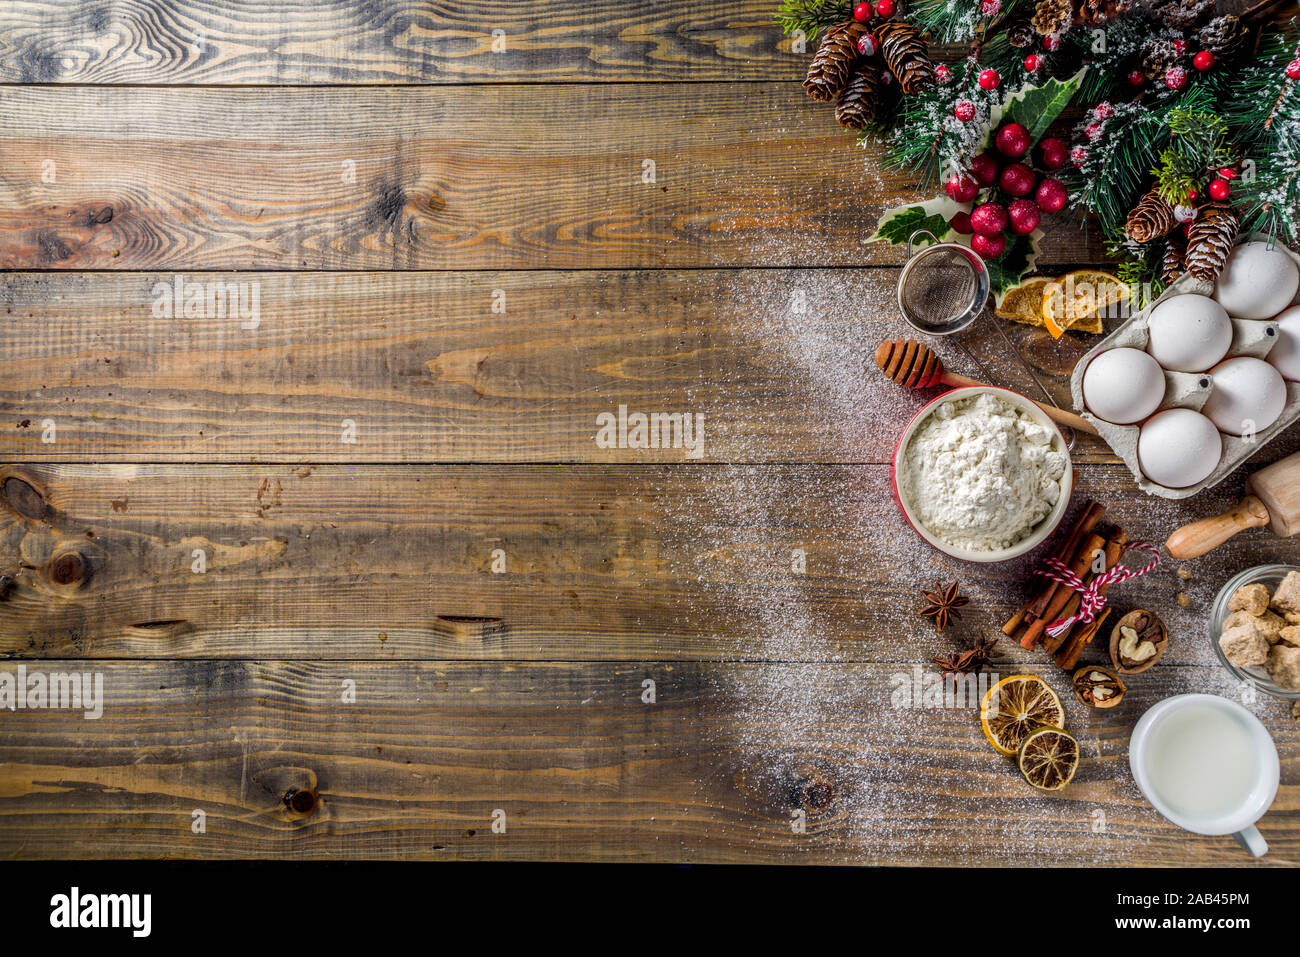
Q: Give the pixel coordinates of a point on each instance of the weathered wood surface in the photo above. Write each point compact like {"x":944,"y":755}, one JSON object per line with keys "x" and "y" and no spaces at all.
{"x":665,"y":562}
{"x":390,"y":41}
{"x":498,"y":176}
{"x":713,"y":771}
{"x":428,"y":367}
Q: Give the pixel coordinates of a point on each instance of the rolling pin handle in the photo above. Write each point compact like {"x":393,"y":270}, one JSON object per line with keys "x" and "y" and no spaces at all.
{"x":1194,"y":540}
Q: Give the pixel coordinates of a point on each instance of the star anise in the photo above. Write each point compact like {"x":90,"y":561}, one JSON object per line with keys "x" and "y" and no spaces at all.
{"x":970,"y":662}
{"x":942,"y":605}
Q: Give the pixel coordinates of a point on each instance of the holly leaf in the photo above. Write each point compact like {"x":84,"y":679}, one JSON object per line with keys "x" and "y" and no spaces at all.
{"x":896,"y":226}
{"x":1036,"y":107}
{"x":1017,"y":260}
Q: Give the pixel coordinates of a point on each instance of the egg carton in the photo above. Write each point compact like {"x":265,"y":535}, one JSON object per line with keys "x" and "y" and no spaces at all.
{"x":1188,"y":390}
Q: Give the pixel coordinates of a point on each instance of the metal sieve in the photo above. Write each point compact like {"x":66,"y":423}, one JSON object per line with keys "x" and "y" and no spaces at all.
{"x":943,"y":288}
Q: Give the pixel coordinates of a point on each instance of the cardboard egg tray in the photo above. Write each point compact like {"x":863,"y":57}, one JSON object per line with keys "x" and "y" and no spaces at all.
{"x":1250,"y":337}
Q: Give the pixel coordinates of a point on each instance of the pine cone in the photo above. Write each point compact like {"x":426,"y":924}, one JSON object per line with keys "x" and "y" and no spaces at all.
{"x":1210,"y":241}
{"x":833,"y":63}
{"x":1052,"y":16}
{"x":1150,"y":218}
{"x":858,"y":99}
{"x":1221,"y":36}
{"x":1096,"y":12}
{"x":906,"y":54}
{"x":1158,"y":56}
{"x":1179,"y":14}
{"x":1174,"y":263}
{"x":1021,"y":34}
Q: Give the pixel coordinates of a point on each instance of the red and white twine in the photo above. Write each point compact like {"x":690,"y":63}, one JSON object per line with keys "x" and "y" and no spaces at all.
{"x":1093,"y":599}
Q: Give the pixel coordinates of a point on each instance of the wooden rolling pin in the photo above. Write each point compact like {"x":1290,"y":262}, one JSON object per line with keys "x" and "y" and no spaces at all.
{"x":916,"y":366}
{"x":1272,"y":499}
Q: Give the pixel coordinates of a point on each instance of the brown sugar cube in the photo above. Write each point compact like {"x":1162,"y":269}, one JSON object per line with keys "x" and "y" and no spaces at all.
{"x":1268,"y":624}
{"x":1287,"y":597}
{"x":1244,"y":646}
{"x":1284,"y":666}
{"x":1251,"y":598}
{"x":1290,"y":634}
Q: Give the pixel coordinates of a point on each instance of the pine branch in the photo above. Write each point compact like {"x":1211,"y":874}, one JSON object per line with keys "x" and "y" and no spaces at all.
{"x":812,"y":16}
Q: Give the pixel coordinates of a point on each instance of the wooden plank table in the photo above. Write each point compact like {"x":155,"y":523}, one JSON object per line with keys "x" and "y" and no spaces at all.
{"x":356,"y":575}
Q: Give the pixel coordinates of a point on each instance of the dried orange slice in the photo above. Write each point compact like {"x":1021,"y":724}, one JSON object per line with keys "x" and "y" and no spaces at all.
{"x":1015,"y":708}
{"x":1024,"y":303}
{"x":1048,"y":759}
{"x":1079,"y":299}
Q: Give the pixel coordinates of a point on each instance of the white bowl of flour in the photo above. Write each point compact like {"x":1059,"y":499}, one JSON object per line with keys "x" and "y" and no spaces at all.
{"x":982,"y":474}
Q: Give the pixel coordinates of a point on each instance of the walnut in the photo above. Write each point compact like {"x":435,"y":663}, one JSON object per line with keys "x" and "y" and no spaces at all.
{"x":1098,"y":687}
{"x":1137,"y":642}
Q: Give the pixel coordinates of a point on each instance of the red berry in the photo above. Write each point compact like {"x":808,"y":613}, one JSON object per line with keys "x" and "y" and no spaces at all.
{"x":942,"y":73}
{"x":1136,"y":78}
{"x":989,"y":247}
{"x":1012,"y":140}
{"x":1229,"y":172}
{"x":1017,"y":180}
{"x":1193,"y":195}
{"x":1051,"y":43}
{"x":1092,"y":131}
{"x":989,"y":219}
{"x":862,"y":12}
{"x":1078,"y":156}
{"x":867,"y":44}
{"x":886,"y":78}
{"x":1051,"y":195}
{"x":961,"y":189}
{"x":985,"y":169}
{"x":1180,"y":46}
{"x":1053,"y":153}
{"x":884,"y":9}
{"x":960,"y":222}
{"x":1176,"y":78}
{"x":1103,"y":111}
{"x":1203,"y":60}
{"x":989,"y":80}
{"x":964,"y":111}
{"x":1219,"y":189}
{"x":1024,"y":215}
{"x":1032,"y":63}
{"x":990,"y":8}
{"x":1293,"y":69}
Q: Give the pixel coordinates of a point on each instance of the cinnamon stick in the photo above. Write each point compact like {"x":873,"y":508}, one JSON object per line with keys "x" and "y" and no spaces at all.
{"x":1114,"y":545}
{"x":1068,"y":656}
{"x":1061,"y":595}
{"x":1092,"y":514}
{"x":1063,"y":550}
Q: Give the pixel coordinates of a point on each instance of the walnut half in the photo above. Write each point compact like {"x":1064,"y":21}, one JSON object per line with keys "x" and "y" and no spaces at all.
{"x":1098,"y":687}
{"x":1137,"y":642}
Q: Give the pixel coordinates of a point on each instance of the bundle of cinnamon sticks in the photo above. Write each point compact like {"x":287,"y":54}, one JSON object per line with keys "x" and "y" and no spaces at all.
{"x":1088,"y":549}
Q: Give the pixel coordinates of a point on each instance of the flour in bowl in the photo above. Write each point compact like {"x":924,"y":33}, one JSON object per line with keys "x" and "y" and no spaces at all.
{"x":980,"y":473}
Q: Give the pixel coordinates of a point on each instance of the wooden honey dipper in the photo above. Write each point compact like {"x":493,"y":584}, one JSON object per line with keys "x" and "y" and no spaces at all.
{"x":911,"y":364}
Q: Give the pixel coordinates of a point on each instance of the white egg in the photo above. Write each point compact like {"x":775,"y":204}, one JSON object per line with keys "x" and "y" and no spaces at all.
{"x":1259,"y":281}
{"x":1247,"y":397}
{"x":1285,"y":355}
{"x":1123,"y":386}
{"x":1178,"y":448}
{"x":1189,"y":333}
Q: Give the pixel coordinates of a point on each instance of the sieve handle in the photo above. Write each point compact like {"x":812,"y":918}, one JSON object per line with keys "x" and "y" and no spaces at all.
{"x":920,"y":232}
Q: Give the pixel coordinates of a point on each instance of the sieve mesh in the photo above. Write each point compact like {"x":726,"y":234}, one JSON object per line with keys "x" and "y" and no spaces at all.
{"x":939,"y":286}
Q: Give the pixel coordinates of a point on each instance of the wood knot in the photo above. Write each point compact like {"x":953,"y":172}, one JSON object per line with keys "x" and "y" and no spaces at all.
{"x":70,"y":568}
{"x":471,"y":629}
{"x":301,"y":801}
{"x":98,"y":217}
{"x":23,"y":498}
{"x":811,"y":789}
